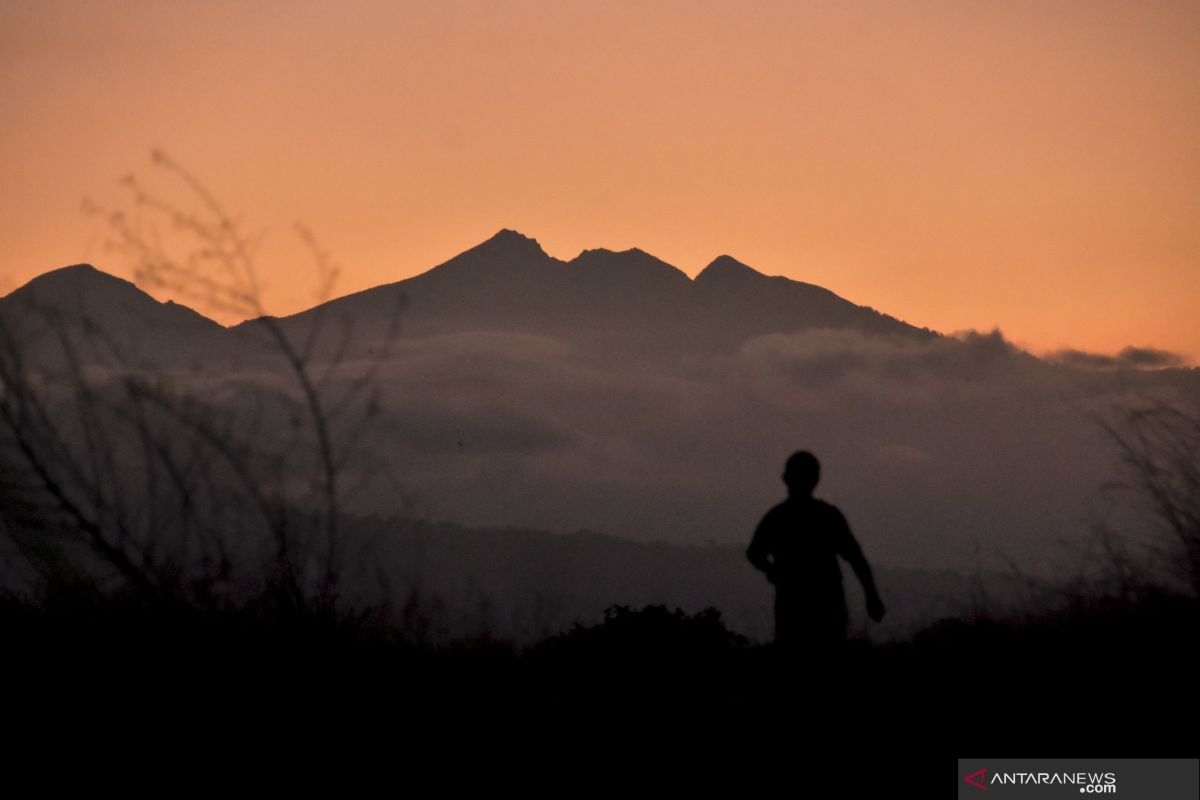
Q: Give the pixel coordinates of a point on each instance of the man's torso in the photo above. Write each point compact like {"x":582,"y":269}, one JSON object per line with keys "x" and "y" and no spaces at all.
{"x":804,"y":538}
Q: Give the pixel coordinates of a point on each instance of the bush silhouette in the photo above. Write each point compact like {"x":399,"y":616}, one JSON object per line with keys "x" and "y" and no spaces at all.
{"x":142,"y":480}
{"x":653,"y":632}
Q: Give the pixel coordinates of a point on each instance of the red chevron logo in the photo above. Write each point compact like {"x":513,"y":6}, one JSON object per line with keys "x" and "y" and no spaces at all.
{"x":977,"y":774}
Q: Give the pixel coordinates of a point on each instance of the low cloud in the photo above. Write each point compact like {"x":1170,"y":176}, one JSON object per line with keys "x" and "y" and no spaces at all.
{"x":936,"y":449}
{"x":933,"y":448}
{"x":1145,"y":358}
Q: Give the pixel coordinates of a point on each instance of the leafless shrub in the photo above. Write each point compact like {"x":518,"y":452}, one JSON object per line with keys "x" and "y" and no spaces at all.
{"x":148,"y":479}
{"x":1159,"y":444}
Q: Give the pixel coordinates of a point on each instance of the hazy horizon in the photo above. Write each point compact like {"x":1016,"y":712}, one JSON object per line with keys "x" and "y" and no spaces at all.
{"x":1129,"y":356}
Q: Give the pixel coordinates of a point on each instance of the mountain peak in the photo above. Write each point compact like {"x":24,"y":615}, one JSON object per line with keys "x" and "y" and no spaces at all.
{"x":726,"y":267}
{"x":75,"y":279}
{"x":81,"y":292}
{"x":506,"y":253}
{"x":633,"y":264}
{"x":72,"y":272}
{"x":74,"y":268}
{"x":507,"y":240}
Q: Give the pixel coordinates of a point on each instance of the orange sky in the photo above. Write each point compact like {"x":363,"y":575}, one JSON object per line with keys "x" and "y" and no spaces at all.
{"x":1032,"y":165}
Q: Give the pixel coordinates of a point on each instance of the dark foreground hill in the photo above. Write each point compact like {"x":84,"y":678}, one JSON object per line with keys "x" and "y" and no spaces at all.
{"x":1105,"y":675}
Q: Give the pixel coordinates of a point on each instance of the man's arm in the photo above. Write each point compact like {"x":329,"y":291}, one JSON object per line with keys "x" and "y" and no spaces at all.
{"x":759,"y":551}
{"x":850,"y":550}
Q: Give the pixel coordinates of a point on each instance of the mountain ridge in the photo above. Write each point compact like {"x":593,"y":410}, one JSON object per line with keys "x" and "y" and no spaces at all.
{"x":617,"y":304}
{"x":620,"y":302}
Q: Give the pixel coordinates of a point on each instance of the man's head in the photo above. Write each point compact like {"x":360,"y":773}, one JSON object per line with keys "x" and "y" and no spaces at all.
{"x":802,"y":473}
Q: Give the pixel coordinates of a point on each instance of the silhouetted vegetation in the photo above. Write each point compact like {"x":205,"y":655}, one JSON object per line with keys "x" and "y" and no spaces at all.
{"x":1160,"y":446}
{"x":127,"y":472}
{"x":1104,"y":672}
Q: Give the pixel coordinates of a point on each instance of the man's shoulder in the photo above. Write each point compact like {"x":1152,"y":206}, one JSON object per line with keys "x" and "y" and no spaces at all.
{"x":807,"y":505}
{"x":826,"y":506}
{"x":810,"y":508}
{"x":775,"y":514}
{"x":831,"y":516}
{"x":777,"y":510}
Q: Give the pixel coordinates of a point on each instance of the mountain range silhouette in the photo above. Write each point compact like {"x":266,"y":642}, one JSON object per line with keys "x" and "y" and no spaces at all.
{"x":621,"y":302}
{"x":607,"y":302}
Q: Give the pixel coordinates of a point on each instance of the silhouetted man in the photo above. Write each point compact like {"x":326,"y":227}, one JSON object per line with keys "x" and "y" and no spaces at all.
{"x":797,"y":545}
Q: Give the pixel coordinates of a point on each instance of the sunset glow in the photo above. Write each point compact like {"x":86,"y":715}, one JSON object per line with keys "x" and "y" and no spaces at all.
{"x":1028,"y":165}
